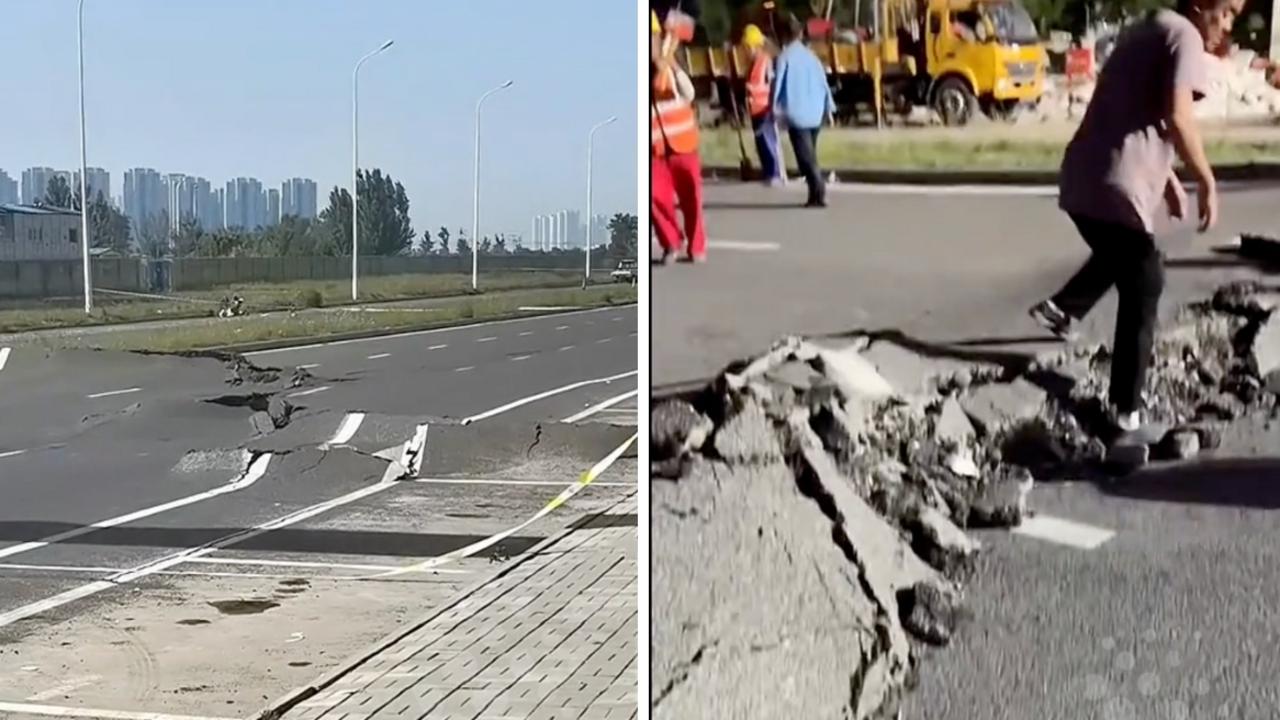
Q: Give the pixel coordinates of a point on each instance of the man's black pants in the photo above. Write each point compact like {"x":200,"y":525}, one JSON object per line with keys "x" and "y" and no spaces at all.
{"x":1128,"y":259}
{"x":804,"y":141}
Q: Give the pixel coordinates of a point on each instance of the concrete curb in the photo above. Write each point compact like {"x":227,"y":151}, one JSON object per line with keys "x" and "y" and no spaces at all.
{"x":1029,"y":178}
{"x":277,"y":708}
{"x":246,"y":348}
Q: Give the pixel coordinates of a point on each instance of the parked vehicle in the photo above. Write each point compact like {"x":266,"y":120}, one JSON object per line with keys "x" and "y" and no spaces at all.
{"x":625,"y":272}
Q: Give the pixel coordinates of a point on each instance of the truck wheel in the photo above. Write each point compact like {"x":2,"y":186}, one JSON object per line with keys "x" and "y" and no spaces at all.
{"x":954,"y":102}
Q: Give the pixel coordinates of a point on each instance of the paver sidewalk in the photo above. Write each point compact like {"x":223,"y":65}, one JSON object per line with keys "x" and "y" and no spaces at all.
{"x":553,"y":637}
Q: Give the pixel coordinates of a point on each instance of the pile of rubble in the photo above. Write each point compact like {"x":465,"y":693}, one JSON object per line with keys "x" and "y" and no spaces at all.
{"x":814,"y":535}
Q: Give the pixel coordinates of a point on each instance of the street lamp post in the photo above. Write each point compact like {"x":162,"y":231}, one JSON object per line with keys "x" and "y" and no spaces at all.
{"x":591,"y":136}
{"x":84,"y":174}
{"x":475,"y":209}
{"x":355,"y":170}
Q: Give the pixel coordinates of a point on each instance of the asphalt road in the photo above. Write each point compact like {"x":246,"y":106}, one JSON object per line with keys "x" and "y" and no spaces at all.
{"x":159,"y":552}
{"x":1173,"y":617}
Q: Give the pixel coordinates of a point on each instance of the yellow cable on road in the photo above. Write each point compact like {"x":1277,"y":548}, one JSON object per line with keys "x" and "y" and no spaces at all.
{"x":574,"y":488}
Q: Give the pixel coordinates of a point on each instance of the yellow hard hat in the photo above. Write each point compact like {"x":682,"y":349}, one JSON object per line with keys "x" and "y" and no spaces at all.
{"x":752,"y":37}
{"x":655,"y":27}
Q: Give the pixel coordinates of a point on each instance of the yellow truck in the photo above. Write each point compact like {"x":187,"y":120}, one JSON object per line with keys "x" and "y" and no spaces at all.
{"x":956,"y":57}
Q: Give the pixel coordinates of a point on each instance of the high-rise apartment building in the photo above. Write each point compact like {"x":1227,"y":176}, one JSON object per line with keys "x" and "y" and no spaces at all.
{"x":8,"y":189}
{"x":35,"y":182}
{"x":145,"y":196}
{"x":99,"y":182}
{"x":246,"y":204}
{"x":298,"y":197}
{"x":273,"y":207}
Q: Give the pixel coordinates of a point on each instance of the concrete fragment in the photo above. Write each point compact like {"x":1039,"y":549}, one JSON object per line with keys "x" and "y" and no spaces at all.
{"x":1003,"y":501}
{"x":676,"y":428}
{"x":280,"y":410}
{"x":939,"y":542}
{"x":852,"y":374}
{"x":1127,"y":454}
{"x":795,"y":374}
{"x":748,"y":437}
{"x":262,"y":423}
{"x":930,"y":613}
{"x":961,"y":463}
{"x":998,"y":405}
{"x":952,"y":424}
{"x":1265,"y":353}
{"x":1179,"y":444}
{"x":911,"y":373}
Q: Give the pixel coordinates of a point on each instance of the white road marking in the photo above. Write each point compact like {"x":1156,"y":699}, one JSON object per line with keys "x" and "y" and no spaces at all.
{"x":518,"y":358}
{"x":602,"y":341}
{"x":378,"y":356}
{"x":617,"y":319}
{"x":255,"y":471}
{"x":110,"y":393}
{"x":744,"y":245}
{"x":631,"y":334}
{"x":486,"y":339}
{"x":909,"y":189}
{"x":438,"y":347}
{"x":587,"y":478}
{"x":543,"y":395}
{"x":465,"y":368}
{"x":11,"y":453}
{"x":162,"y":564}
{"x":312,"y":391}
{"x":1064,"y":532}
{"x":491,"y":481}
{"x":601,"y":406}
{"x":566,"y":348}
{"x":309,"y":366}
{"x":4,"y":356}
{"x":79,"y":712}
{"x":417,"y":333}
{"x":304,"y":564}
{"x":347,"y":430}
{"x":414,"y":451}
{"x":65,"y":688}
{"x":552,"y":308}
{"x":58,"y":568}
{"x":562,"y":327}
{"x":526,"y":333}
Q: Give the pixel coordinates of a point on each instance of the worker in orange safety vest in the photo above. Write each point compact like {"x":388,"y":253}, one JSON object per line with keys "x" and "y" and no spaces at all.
{"x":675,"y":168}
{"x":759,"y":94}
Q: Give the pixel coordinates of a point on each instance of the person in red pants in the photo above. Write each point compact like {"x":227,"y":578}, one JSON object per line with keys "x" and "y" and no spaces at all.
{"x":676,"y":171}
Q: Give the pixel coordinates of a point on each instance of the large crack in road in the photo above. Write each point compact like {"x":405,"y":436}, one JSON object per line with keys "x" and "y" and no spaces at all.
{"x":813,"y":540}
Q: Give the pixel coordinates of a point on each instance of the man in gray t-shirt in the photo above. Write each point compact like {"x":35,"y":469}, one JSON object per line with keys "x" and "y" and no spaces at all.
{"x":1118,"y":184}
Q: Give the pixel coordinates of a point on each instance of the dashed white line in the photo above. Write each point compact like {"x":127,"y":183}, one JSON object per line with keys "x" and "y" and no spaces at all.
{"x":518,"y":358}
{"x":530,"y":483}
{"x":80,"y":712}
{"x":11,"y":453}
{"x":486,"y":339}
{"x":439,"y":347}
{"x":378,"y":356}
{"x":312,"y":391}
{"x":526,"y":333}
{"x":465,"y":368}
{"x":543,"y":395}
{"x":617,"y":319}
{"x":566,"y":348}
{"x":160,"y":565}
{"x":744,"y":245}
{"x":65,"y":688}
{"x":602,"y":341}
{"x":1064,"y":532}
{"x":562,"y":327}
{"x":347,"y":430}
{"x":309,"y":366}
{"x":304,"y":564}
{"x":600,"y":406}
{"x":254,"y":472}
{"x":4,"y":357}
{"x":631,"y":334}
{"x":111,"y":393}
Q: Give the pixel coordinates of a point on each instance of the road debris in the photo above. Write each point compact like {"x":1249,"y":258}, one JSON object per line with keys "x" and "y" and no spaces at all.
{"x":819,"y":511}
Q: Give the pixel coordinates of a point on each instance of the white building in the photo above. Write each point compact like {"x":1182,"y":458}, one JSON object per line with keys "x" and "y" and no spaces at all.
{"x":99,"y":182}
{"x":38,"y":233}
{"x":145,"y":196}
{"x":298,"y":197}
{"x":35,"y":183}
{"x":273,"y":207}
{"x":8,"y":189}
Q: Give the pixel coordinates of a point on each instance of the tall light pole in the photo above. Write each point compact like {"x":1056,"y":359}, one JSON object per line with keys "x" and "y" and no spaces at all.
{"x":475,"y":209}
{"x":591,"y":137}
{"x":355,"y":170}
{"x":84,"y":174}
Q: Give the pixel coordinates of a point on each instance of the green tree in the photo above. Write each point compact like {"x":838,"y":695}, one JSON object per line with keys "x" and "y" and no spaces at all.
{"x":58,"y":193}
{"x":486,"y":245}
{"x":385,"y":228}
{"x":153,"y":236}
{"x":108,"y":227}
{"x":624,"y":232}
{"x":500,"y":245}
{"x":335,"y":224}
{"x":425,"y":243}
{"x":443,"y":236}
{"x":293,"y":236}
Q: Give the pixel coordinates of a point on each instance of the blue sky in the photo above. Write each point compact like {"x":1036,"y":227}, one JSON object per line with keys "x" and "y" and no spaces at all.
{"x":262,"y":88}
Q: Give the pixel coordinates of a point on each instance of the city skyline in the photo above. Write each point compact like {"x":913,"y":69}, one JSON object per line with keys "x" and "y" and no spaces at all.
{"x":280,"y":106}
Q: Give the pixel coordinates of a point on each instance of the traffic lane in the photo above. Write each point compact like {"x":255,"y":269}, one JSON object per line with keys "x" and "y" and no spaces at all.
{"x":546,"y":332}
{"x":464,"y":385}
{"x":944,"y":266}
{"x":154,"y":454}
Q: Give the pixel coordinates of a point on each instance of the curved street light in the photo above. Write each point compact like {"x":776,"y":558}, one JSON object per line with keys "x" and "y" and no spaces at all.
{"x":355,"y":169}
{"x":84,"y":173}
{"x":591,"y":136}
{"x":475,"y":209}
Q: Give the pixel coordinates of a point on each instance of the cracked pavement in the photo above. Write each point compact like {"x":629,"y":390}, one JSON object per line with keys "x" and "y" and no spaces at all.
{"x":184,"y":535}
